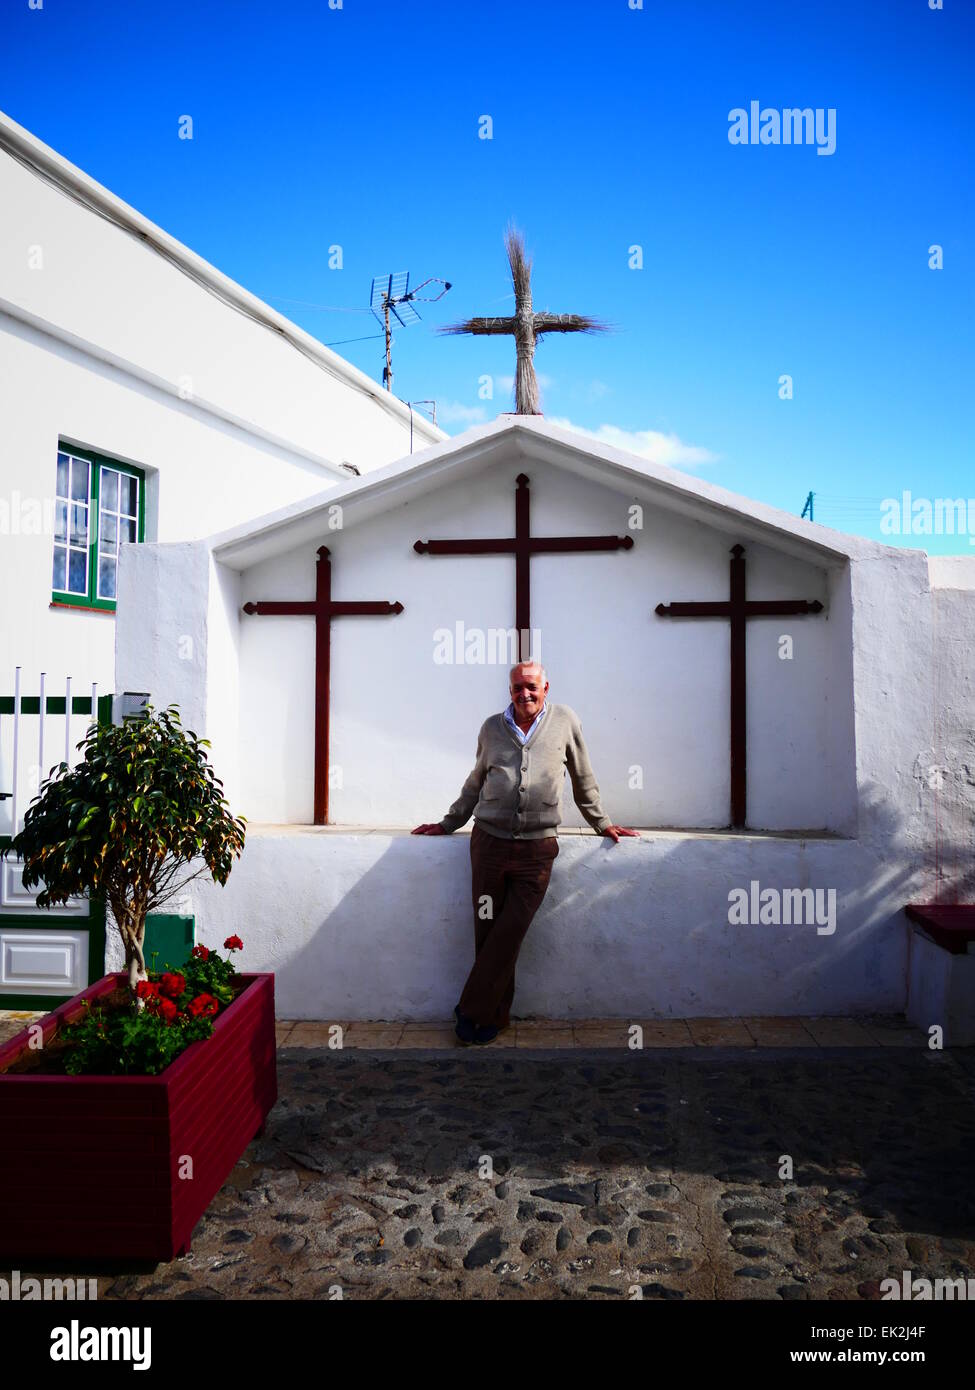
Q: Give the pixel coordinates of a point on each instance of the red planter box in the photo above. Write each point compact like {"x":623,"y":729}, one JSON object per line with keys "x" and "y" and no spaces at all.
{"x":90,"y":1165}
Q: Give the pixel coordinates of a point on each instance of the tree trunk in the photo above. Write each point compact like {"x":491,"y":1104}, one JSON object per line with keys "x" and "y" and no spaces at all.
{"x":132,"y":928}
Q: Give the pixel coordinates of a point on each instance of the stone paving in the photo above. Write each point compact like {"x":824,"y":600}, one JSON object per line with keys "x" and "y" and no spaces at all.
{"x":872,"y":1031}
{"x":583,"y":1169}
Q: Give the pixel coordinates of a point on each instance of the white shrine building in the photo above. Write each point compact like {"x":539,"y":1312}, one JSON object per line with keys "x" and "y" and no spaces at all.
{"x":174,"y":449}
{"x":778,"y":889}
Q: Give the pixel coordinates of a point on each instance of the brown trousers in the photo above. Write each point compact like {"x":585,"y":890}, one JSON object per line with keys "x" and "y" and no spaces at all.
{"x":513,"y":876}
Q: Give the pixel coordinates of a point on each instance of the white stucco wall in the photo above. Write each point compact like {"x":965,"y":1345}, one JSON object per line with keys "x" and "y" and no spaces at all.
{"x":380,"y":926}
{"x":941,"y":989}
{"x":946,"y":764}
{"x":109,"y":346}
{"x":652,"y":692}
{"x":108,"y":286}
{"x":376,"y":923}
{"x":199,"y":472}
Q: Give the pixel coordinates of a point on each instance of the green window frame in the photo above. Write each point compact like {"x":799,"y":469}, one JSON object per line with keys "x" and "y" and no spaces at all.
{"x":99,"y":503}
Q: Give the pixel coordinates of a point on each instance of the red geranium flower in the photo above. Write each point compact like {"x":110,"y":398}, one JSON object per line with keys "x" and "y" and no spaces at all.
{"x":168,"y":1010}
{"x":173,"y":985}
{"x":233,"y":943}
{"x":145,"y":989}
{"x":201,"y":953}
{"x":203,"y":1006}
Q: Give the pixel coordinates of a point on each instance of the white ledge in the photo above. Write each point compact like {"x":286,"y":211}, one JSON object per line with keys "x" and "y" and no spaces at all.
{"x":269,"y":829}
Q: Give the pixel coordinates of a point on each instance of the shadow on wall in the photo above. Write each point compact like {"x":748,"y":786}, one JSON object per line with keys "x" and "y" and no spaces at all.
{"x":950,"y":854}
{"x":643,"y":935}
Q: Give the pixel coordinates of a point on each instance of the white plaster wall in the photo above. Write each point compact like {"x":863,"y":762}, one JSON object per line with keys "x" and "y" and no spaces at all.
{"x":201,"y":474}
{"x":112,"y":296}
{"x":379,"y":926}
{"x":652,"y":692}
{"x":946,"y":764}
{"x":106,"y":285}
{"x":894,"y":667}
{"x":185,"y":652}
{"x":222,"y":679}
{"x":941,"y":990}
{"x":163,"y":650}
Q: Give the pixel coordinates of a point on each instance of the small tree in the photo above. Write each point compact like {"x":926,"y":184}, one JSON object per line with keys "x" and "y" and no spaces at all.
{"x":141,"y":807}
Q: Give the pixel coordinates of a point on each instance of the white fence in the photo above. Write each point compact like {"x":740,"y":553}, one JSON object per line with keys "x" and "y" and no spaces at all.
{"x":37,"y":733}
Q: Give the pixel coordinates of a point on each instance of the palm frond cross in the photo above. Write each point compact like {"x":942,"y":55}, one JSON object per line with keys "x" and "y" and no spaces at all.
{"x":525,"y":327}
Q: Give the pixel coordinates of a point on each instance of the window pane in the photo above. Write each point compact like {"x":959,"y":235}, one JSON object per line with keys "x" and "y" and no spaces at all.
{"x":62,"y":484}
{"x":127,"y":530}
{"x":79,"y":480}
{"x":106,"y":576}
{"x":77,"y":571}
{"x":61,"y":521}
{"x":79,"y":525}
{"x":60,"y":560}
{"x":108,"y":531}
{"x":130,"y":495}
{"x":109,"y":489}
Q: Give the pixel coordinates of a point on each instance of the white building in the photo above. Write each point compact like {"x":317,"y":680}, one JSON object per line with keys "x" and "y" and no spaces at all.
{"x":186,"y":404}
{"x":144,"y":397}
{"x":857,"y":729}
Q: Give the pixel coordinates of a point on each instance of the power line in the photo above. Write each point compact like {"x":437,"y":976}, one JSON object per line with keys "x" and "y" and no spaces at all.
{"x":368,"y":338}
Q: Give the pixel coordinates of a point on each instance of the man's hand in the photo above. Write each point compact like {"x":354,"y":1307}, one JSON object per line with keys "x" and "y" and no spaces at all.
{"x":613,"y":832}
{"x":428,"y":830}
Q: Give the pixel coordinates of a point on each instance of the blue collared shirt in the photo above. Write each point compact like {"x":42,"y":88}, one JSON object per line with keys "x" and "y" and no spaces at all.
{"x":520,"y":734}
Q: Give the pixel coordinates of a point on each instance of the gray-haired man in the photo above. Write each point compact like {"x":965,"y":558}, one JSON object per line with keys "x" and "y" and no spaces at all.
{"x":514,"y":791}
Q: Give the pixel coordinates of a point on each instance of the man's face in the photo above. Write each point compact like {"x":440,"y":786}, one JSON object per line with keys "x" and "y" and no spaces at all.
{"x":528,"y":691}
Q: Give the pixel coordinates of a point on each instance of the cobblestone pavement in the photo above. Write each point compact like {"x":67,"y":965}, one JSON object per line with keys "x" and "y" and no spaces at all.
{"x":554,"y":1174}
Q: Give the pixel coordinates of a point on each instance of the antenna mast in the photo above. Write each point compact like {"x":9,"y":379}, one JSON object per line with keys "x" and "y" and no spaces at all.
{"x":391,"y":295}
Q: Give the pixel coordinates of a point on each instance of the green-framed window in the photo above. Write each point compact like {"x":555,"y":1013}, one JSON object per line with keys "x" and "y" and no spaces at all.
{"x":99,"y":504}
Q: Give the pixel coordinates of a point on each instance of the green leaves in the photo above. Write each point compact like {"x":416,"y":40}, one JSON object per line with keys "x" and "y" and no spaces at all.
{"x":142,"y":805}
{"x":120,"y":1042}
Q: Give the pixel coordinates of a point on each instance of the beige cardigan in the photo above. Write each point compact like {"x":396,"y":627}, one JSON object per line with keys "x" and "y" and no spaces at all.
{"x":515,"y":790}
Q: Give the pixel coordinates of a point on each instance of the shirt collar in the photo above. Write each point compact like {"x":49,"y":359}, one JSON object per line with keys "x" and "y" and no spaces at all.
{"x":509,"y":716}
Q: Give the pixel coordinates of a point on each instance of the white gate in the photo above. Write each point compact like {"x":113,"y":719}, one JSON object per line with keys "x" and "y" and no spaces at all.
{"x":45,"y":954}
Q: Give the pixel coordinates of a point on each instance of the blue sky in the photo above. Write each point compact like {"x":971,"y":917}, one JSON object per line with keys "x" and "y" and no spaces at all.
{"x":359,"y":127}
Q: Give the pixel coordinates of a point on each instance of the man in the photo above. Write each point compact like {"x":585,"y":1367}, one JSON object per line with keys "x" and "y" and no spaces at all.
{"x":515,"y":792}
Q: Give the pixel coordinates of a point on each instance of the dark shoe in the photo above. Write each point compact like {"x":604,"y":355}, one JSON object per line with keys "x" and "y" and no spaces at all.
{"x":485,"y":1035}
{"x":465,"y":1029}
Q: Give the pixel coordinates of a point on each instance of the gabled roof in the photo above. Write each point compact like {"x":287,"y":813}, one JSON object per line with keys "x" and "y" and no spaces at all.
{"x":527,"y":438}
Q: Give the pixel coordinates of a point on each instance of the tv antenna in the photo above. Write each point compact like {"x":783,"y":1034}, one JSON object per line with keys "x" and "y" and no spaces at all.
{"x":391,"y":294}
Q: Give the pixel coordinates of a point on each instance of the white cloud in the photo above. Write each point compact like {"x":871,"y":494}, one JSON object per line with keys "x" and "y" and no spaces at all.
{"x":454,"y":413}
{"x":648,"y":444}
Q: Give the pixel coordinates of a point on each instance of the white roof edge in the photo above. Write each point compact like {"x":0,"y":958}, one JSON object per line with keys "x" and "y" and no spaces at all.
{"x":17,"y":141}
{"x":481,"y":438}
{"x":377,"y":479}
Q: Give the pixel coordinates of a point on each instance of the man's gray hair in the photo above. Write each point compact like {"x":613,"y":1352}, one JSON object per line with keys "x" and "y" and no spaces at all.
{"x":536,"y":664}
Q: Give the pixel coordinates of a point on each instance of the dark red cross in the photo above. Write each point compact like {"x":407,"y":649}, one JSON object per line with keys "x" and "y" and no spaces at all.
{"x":323,"y":609}
{"x":738,"y":609}
{"x":523,"y":545}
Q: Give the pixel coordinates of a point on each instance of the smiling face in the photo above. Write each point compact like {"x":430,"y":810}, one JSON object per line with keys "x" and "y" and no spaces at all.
{"x":528,"y":690}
